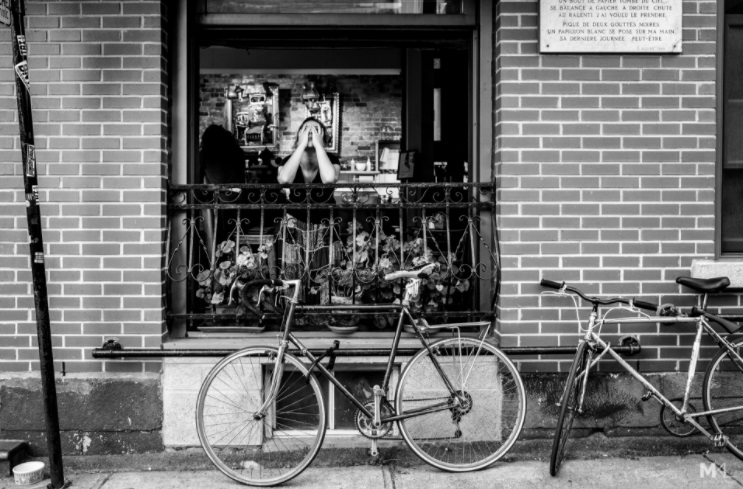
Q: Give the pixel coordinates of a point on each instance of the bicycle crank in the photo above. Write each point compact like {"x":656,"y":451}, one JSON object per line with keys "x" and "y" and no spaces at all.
{"x":675,"y":424}
{"x":365,"y":425}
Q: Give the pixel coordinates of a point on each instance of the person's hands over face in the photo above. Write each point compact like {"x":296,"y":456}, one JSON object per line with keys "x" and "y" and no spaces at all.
{"x":317,"y":137}
{"x":304,"y":137}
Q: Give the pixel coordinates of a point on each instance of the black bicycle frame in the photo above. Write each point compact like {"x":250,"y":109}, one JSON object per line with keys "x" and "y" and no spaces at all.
{"x":404,"y":312}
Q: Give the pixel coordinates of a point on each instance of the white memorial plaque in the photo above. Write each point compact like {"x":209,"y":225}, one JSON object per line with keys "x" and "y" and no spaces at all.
{"x":610,"y":26}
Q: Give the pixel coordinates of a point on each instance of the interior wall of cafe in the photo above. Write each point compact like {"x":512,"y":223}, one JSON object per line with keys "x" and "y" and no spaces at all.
{"x":606,"y":173}
{"x":371,"y":106}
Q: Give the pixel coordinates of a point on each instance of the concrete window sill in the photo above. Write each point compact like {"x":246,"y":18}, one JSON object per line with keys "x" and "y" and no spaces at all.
{"x":730,"y":268}
{"x":318,"y":340}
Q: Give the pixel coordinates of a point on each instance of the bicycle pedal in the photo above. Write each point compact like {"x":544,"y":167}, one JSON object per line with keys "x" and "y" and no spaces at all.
{"x":719,"y":440}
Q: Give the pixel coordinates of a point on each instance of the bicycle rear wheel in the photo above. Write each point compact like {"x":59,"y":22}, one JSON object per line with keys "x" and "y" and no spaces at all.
{"x":568,"y":408}
{"x":723,"y":388}
{"x":253,"y":448}
{"x":467,"y":435}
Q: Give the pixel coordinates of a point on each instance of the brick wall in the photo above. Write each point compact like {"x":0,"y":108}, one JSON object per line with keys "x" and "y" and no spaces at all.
{"x":371,"y":107}
{"x":606,"y":172}
{"x":98,"y":84}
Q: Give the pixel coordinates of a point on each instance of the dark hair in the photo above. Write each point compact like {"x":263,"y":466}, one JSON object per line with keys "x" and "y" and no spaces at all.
{"x":325,"y":134}
{"x":221,"y":157}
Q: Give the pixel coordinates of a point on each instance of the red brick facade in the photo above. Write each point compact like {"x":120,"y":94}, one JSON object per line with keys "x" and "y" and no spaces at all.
{"x":605,"y":166}
{"x":98,"y":79}
{"x":606,"y":169}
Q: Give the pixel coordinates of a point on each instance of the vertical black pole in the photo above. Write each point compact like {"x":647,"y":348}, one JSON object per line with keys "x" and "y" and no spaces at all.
{"x":36,"y":248}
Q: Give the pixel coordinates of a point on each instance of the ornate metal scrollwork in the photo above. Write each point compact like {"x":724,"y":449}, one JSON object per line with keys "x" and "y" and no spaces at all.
{"x":340,"y":245}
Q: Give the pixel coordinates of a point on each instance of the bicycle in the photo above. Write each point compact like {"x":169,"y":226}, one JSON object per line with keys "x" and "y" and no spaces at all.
{"x":678,"y":416}
{"x":459,"y":404}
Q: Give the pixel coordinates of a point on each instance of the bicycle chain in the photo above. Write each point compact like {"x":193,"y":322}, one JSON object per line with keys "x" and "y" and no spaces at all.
{"x":399,"y":438}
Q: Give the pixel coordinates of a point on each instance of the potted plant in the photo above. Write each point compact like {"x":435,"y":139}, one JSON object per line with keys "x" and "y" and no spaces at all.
{"x":351,"y":278}
{"x":222,"y":287}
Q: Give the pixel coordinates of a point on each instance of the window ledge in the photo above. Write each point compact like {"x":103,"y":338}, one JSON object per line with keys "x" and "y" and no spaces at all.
{"x":316,"y":340}
{"x":731,"y":268}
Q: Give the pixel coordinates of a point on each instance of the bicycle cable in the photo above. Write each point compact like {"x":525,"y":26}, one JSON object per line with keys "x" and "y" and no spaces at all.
{"x":631,"y":309}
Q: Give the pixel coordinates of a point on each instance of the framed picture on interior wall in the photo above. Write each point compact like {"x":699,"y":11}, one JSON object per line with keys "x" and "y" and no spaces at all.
{"x":406,"y":165}
{"x":254,"y":110}
{"x":388,"y":155}
{"x":327,"y":109}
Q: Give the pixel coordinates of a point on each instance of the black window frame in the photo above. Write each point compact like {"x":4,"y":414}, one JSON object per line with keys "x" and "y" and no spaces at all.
{"x":184,"y":44}
{"x":720,"y":132}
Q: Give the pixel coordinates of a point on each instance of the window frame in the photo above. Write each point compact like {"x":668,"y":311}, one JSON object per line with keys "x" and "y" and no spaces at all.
{"x":467,"y":18}
{"x":720,"y":132}
{"x":184,"y":42}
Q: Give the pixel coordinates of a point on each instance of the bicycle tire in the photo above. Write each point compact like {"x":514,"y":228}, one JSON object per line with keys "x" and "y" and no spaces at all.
{"x":486,"y":427}
{"x":720,"y":379}
{"x":565,"y":420}
{"x":276,"y":447}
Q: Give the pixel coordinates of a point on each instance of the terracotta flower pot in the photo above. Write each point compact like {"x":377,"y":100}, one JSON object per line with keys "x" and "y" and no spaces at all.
{"x":343,"y":324}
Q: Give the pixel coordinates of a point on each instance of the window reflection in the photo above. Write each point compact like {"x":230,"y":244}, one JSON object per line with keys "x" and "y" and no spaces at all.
{"x":443,"y":7}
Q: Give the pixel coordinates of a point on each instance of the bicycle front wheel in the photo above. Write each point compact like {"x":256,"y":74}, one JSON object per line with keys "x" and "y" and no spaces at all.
{"x":478,"y":424}
{"x":722,"y":388}
{"x":568,"y":407}
{"x":260,"y":448}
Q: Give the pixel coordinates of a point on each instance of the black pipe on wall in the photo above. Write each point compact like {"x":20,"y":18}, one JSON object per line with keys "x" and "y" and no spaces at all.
{"x":158,"y":353}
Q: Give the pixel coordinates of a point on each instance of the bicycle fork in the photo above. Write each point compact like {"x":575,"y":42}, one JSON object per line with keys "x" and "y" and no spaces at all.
{"x":579,"y":405}
{"x":278,"y":372}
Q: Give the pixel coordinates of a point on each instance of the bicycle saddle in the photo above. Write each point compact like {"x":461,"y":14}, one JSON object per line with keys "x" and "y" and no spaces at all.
{"x":706,"y":285}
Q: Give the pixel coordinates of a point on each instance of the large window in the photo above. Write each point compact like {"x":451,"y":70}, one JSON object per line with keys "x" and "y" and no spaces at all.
{"x":731,"y":175}
{"x":397,"y":105}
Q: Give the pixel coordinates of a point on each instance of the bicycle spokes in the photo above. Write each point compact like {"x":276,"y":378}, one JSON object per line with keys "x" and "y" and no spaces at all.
{"x":252,"y":432}
{"x":481,"y":416}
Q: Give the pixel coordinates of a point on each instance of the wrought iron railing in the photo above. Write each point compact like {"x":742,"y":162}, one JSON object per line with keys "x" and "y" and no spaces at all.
{"x":340,"y":240}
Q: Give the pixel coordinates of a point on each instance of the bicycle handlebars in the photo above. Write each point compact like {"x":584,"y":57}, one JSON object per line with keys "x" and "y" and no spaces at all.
{"x":422,"y":272}
{"x":595,"y":300}
{"x":645,"y":305}
{"x":551,"y":284}
{"x":270,"y":282}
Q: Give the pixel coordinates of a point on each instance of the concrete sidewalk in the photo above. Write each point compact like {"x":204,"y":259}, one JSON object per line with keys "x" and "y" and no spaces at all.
{"x":709,"y":470}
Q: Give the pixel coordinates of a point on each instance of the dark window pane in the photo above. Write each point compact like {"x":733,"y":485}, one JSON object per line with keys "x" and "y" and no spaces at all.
{"x":734,"y":69}
{"x":733,"y":142}
{"x":734,"y":6}
{"x":297,"y":402}
{"x":732,"y":211}
{"x":731,"y":187}
{"x":360,"y":384}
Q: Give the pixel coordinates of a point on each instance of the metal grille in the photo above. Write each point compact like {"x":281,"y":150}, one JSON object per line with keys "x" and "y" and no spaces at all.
{"x":340,"y":240}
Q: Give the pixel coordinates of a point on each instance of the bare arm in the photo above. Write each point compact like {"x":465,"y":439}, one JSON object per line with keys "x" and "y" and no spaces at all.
{"x":328,"y":171}
{"x":288,"y":172}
